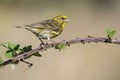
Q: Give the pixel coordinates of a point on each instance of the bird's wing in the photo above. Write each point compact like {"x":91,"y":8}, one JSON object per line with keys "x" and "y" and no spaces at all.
{"x":47,"y":24}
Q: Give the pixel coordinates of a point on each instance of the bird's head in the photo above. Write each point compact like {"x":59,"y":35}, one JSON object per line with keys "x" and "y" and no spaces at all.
{"x":62,"y":20}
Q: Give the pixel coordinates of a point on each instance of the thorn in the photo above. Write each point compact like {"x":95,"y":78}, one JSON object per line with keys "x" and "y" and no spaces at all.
{"x":52,"y":45}
{"x":25,"y":55}
{"x":108,"y":40}
{"x":91,"y":37}
{"x":68,"y":44}
{"x":82,"y":41}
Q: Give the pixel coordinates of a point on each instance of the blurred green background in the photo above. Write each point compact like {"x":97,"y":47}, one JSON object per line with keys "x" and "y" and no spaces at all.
{"x":78,"y":62}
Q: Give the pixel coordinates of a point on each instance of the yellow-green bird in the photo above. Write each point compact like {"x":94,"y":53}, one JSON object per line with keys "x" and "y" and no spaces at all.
{"x":48,"y":29}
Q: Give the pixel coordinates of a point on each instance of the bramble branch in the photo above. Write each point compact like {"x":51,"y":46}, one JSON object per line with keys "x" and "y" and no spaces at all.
{"x":41,"y":48}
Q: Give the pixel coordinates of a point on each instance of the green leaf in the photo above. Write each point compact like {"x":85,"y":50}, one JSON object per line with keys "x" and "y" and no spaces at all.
{"x":19,"y":51}
{"x":37,"y":54}
{"x":27,"y":48}
{"x":12,"y":66}
{"x":60,"y":46}
{"x":10,"y":54}
{"x":10,"y":45}
{"x":17,"y":46}
{"x":107,"y":30}
{"x":4,"y":44}
{"x":1,"y":61}
{"x":110,"y":32}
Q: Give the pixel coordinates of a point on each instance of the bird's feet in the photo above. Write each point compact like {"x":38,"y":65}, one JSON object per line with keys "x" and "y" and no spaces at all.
{"x":43,"y":44}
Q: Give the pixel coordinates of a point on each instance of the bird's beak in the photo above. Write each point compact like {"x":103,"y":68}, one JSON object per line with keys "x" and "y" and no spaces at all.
{"x":67,"y":20}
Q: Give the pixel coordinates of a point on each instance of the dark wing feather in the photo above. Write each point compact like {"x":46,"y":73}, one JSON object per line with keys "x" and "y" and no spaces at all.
{"x":47,"y":24}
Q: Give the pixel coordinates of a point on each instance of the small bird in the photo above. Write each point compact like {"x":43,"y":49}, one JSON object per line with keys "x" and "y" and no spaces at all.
{"x":47,"y":29}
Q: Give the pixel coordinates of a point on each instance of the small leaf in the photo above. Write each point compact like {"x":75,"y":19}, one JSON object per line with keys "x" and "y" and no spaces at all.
{"x":4,"y":44}
{"x":1,"y":60}
{"x":60,"y":46}
{"x":107,"y":30}
{"x":12,"y":66}
{"x":27,"y":48}
{"x":17,"y":46}
{"x":10,"y":54}
{"x":37,"y":54}
{"x":10,"y":45}
{"x":110,"y":32}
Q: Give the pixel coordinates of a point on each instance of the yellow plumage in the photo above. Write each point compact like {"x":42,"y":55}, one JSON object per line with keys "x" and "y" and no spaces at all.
{"x":48,"y":29}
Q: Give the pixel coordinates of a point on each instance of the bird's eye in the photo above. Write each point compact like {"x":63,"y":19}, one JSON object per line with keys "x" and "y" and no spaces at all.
{"x":62,"y":18}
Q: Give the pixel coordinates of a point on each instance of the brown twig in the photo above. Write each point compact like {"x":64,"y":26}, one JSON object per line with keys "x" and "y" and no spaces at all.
{"x":66,"y":42}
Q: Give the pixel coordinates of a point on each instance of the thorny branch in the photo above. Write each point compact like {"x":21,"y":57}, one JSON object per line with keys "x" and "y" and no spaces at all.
{"x":66,"y":42}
